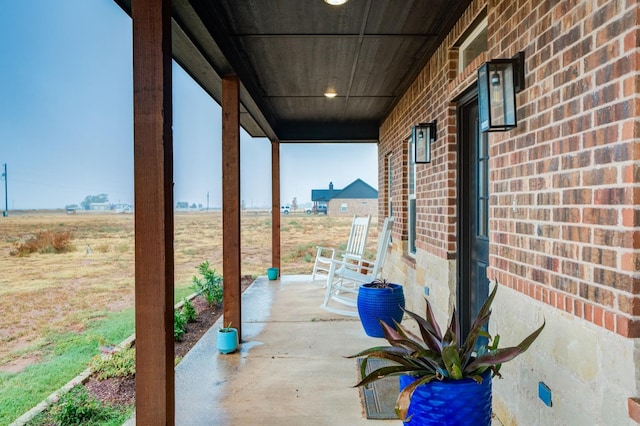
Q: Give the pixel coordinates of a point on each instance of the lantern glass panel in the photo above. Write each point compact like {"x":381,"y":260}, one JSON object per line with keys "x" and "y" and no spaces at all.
{"x":422,"y":137}
{"x":422,"y":142}
{"x":496,"y":96}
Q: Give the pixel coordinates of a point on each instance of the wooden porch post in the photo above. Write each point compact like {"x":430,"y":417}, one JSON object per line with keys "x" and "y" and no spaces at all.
{"x":153,"y":176}
{"x":275,"y":204}
{"x":231,"y":202}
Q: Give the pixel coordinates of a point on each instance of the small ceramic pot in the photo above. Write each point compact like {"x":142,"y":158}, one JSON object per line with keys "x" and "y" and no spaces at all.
{"x":272,"y":273}
{"x":227,"y":340}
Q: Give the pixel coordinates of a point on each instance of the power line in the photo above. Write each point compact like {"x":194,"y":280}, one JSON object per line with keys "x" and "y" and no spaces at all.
{"x":6,"y":193}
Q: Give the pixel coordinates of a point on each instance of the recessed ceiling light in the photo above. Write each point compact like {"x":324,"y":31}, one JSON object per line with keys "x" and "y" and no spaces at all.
{"x":330,"y":93}
{"x":335,"y":2}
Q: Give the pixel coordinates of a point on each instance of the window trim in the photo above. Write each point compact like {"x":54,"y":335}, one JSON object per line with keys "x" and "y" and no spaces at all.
{"x":389,"y":184}
{"x":412,"y":228}
{"x":480,"y":27}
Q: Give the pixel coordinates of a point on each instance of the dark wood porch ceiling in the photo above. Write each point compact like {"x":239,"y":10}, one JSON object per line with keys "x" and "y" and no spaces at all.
{"x":288,"y":53}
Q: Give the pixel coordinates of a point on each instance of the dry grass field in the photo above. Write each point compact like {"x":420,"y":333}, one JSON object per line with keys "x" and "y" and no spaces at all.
{"x":44,"y":293}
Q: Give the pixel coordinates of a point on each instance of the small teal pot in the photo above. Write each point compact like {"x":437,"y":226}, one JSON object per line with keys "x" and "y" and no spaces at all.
{"x":451,"y":402}
{"x":227,"y":340}
{"x":375,"y":304}
{"x":272,"y":273}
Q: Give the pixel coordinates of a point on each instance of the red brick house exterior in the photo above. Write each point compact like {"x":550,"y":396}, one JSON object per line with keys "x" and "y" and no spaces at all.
{"x":563,"y":212}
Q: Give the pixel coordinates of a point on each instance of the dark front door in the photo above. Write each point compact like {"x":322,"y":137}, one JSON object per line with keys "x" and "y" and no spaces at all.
{"x":473,"y":212}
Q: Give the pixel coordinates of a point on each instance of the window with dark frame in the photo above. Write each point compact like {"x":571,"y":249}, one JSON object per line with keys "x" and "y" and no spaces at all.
{"x":411,"y":196}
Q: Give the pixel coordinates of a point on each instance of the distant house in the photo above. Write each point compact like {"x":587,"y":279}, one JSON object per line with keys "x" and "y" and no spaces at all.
{"x":357,"y":198}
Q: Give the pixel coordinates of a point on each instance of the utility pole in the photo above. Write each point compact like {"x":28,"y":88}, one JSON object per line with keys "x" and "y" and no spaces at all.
{"x":6,"y":195}
{"x":207,"y":200}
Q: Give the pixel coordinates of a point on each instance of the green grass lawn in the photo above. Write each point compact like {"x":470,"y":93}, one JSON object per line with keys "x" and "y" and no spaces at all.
{"x":64,"y":356}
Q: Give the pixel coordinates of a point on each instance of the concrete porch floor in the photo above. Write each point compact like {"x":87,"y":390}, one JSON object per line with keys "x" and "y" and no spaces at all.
{"x":290,"y":369}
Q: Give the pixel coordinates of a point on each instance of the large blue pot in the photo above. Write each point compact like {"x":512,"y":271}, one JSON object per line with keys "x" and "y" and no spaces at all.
{"x":375,"y":304}
{"x":450,"y":403}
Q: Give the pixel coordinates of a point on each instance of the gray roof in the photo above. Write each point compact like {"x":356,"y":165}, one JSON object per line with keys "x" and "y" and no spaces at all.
{"x":356,"y":189}
{"x":288,"y":53}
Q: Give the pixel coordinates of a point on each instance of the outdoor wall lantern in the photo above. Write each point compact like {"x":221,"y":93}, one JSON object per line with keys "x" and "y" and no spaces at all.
{"x":423,"y":134}
{"x":498,"y":82}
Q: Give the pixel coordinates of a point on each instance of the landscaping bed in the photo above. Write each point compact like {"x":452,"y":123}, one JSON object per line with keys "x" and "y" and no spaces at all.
{"x":118,"y":393}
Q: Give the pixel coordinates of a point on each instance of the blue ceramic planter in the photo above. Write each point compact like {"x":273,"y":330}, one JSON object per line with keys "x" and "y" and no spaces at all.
{"x":450,"y":403}
{"x":272,"y":273}
{"x":227,"y":340}
{"x":375,"y":304}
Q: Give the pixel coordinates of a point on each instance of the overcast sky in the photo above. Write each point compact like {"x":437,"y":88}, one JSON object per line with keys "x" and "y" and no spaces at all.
{"x":66,"y":127}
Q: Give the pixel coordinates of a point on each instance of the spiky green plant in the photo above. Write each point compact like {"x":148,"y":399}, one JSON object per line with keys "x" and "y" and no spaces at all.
{"x":210,"y":285}
{"x":226,"y":329}
{"x":434,"y":356}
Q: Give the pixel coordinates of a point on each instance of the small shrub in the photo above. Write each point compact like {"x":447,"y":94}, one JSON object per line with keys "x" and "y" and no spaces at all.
{"x":119,"y":364}
{"x":77,"y":407}
{"x":179,"y":325}
{"x":188,"y":311}
{"x":44,"y":242}
{"x":210,"y":285}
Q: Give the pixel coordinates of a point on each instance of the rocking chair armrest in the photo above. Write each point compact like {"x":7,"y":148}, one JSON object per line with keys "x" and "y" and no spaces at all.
{"x":350,"y":271}
{"x":337,"y":263}
{"x":322,"y":249}
{"x":353,"y":263}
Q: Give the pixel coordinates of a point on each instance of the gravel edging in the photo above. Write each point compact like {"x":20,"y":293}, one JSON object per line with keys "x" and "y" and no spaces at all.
{"x":81,"y":378}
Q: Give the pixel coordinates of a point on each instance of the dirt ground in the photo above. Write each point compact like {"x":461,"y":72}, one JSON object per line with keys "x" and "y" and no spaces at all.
{"x":97,"y":277}
{"x":122,"y":391}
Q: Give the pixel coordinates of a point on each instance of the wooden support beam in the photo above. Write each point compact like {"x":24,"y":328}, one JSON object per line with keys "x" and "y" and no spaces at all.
{"x":231,"y":266}
{"x":275,"y":204}
{"x":153,"y":186}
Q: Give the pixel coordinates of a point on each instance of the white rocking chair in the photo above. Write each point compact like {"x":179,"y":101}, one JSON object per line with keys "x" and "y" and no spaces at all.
{"x":355,"y":247}
{"x":346,"y":275}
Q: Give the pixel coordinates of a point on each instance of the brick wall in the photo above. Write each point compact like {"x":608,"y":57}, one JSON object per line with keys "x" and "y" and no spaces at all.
{"x":355,"y":206}
{"x":570,"y":167}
